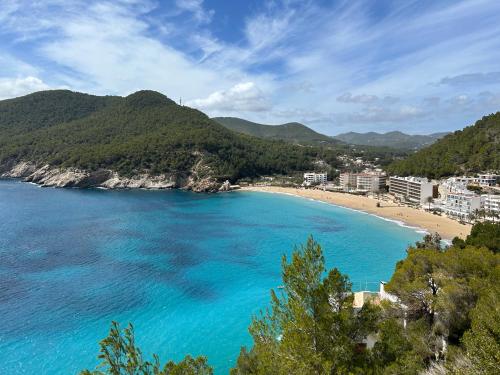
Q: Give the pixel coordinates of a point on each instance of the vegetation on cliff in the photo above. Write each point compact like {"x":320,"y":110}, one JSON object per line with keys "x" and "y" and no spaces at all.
{"x":474,"y":149}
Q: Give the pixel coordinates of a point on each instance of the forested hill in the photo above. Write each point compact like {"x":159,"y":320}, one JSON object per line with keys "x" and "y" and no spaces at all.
{"x":393,"y":139}
{"x":46,"y":108}
{"x":474,"y":149}
{"x":293,"y":132}
{"x":143,"y":132}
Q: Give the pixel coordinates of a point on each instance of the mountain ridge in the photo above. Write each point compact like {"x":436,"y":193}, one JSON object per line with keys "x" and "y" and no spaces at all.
{"x":394,"y":139}
{"x":293,"y":132}
{"x":474,"y":149}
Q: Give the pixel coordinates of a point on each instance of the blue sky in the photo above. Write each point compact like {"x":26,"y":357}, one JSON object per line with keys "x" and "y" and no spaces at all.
{"x":418,"y":66}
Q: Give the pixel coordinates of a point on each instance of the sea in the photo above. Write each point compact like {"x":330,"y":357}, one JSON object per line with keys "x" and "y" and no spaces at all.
{"x":187,"y":270}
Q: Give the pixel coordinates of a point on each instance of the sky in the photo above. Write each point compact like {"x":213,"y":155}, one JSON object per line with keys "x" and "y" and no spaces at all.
{"x":420,"y":66}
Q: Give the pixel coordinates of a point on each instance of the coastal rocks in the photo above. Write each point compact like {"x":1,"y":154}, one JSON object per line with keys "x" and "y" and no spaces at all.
{"x":200,"y":180}
{"x":143,"y":181}
{"x":19,"y":170}
{"x":226,"y":186}
{"x":47,"y":176}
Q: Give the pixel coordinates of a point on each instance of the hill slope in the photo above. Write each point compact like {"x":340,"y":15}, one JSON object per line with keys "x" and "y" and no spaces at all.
{"x":142,"y":134}
{"x":394,"y":139}
{"x":293,"y":132}
{"x":474,"y":149}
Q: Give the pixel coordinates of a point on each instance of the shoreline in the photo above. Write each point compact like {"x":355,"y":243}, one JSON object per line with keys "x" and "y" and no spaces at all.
{"x":404,"y":216}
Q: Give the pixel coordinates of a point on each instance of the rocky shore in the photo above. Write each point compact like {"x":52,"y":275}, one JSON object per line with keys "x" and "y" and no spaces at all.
{"x":199,"y":179}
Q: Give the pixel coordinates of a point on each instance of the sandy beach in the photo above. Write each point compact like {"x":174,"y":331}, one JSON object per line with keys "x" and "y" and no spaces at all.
{"x":447,"y":228}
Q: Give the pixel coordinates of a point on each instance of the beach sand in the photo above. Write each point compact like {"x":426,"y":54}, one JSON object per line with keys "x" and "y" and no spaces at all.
{"x":446,"y":227}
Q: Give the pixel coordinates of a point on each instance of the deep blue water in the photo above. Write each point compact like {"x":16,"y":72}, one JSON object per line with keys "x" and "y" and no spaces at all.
{"x":187,"y":269}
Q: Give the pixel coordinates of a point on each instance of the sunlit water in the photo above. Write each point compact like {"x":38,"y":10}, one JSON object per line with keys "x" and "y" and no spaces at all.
{"x":187,"y":269}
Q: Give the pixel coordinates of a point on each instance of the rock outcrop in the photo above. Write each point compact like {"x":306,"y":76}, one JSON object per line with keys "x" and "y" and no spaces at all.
{"x":199,"y":180}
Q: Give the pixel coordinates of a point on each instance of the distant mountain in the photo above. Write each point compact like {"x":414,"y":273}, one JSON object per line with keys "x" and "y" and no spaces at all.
{"x":474,"y":149}
{"x":393,"y":139}
{"x":64,"y":138}
{"x":293,"y":132}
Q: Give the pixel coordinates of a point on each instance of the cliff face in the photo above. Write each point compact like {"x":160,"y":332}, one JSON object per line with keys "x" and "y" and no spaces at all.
{"x":200,"y":178}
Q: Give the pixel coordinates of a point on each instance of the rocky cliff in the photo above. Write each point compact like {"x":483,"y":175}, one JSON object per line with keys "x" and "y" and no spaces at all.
{"x":200,"y":178}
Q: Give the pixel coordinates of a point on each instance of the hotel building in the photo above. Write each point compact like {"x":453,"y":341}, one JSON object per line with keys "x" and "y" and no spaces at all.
{"x":460,"y":204}
{"x":491,"y":203}
{"x":315,"y":178}
{"x":367,"y":181}
{"x":413,"y":189}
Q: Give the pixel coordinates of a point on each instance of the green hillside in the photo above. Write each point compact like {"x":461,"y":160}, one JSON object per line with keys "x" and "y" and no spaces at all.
{"x":144,"y":132}
{"x":293,"y":132}
{"x":393,"y":139}
{"x":474,"y":149}
{"x":47,"y":108}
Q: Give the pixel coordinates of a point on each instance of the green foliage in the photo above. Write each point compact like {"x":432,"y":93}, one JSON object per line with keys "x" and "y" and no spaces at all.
{"x":485,"y":234}
{"x":482,"y":341}
{"x":120,"y":356}
{"x":473,"y":149}
{"x":452,"y":294}
{"x":144,"y":132}
{"x":312,"y":327}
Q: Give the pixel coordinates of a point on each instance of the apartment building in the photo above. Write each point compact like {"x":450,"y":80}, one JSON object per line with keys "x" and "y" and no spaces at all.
{"x":366,"y":181}
{"x":348,"y":180}
{"x":413,"y":189}
{"x":311,"y":178}
{"x":487,"y":179}
{"x":461,"y":204}
{"x":491,"y":203}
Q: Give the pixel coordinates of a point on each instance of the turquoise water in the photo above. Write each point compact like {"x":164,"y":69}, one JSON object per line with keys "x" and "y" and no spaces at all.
{"x":187,"y":269}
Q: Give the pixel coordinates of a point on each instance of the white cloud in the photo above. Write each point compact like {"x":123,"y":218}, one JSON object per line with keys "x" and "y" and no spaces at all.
{"x":196,"y":8}
{"x":13,"y":87}
{"x":245,"y":96}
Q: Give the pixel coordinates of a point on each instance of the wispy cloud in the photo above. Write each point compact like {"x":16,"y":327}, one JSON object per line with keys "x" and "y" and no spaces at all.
{"x":416,"y":65}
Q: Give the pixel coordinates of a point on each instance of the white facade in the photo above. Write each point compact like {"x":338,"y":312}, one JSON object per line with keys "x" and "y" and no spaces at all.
{"x":487,"y":179}
{"x":481,"y":180}
{"x":491,"y":203}
{"x":315,"y":178}
{"x":414,"y":189}
{"x":461,"y":205}
{"x":367,"y":181}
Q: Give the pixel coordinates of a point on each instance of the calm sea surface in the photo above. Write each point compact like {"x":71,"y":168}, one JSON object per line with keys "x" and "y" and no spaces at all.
{"x":187,"y":269}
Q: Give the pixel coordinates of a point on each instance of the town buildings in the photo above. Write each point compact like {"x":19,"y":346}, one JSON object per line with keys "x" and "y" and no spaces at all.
{"x":413,"y":189}
{"x":312,"y":178}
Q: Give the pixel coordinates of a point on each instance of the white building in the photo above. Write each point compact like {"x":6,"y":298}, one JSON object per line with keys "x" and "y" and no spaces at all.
{"x":461,"y":204}
{"x":491,"y":203}
{"x":487,"y":179}
{"x":414,"y":189}
{"x":481,"y":180}
{"x":315,"y":178}
{"x":366,"y":181}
